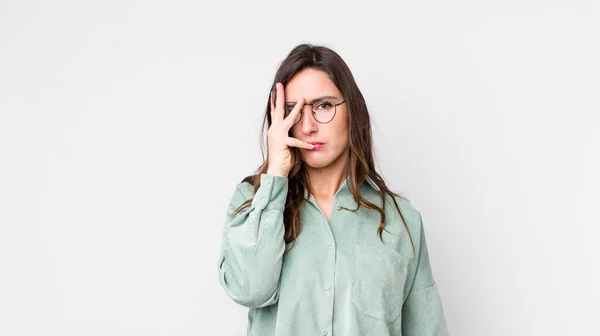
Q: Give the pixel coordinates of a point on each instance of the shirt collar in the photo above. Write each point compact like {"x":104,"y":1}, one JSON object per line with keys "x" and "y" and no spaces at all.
{"x":372,"y":183}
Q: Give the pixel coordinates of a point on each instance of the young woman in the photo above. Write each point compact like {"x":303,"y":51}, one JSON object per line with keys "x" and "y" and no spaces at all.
{"x":315,"y":243}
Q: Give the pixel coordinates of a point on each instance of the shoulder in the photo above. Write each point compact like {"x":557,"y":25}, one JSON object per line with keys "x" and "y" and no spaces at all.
{"x":410,"y":215}
{"x":243,"y":191}
{"x":245,"y":187}
{"x":410,"y":212}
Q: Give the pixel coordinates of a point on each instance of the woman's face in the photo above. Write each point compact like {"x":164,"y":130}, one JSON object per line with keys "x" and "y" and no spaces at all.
{"x":312,"y":84}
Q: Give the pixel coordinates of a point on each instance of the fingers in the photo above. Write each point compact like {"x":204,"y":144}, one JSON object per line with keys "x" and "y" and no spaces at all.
{"x":290,"y":120}
{"x":273,"y":101}
{"x":299,"y":143}
{"x":277,"y":110}
{"x":278,"y":107}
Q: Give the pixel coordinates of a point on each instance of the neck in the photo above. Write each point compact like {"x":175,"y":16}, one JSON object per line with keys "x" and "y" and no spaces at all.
{"x":325,"y":182}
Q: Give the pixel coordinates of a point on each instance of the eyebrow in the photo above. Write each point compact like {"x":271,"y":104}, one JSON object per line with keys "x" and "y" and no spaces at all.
{"x":314,"y":100}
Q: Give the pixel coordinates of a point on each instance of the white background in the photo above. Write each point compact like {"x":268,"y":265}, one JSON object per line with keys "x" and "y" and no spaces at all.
{"x":125,"y":125}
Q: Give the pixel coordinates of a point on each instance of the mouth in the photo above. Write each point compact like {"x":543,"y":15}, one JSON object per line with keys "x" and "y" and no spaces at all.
{"x":317,"y":144}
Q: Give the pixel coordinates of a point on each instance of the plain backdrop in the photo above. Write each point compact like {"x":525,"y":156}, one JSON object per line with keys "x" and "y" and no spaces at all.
{"x":125,"y":125}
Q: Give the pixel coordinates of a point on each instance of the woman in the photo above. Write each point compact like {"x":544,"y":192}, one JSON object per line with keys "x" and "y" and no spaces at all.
{"x":310,"y":246}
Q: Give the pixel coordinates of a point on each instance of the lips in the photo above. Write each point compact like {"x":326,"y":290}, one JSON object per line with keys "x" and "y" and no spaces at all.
{"x":317,"y":144}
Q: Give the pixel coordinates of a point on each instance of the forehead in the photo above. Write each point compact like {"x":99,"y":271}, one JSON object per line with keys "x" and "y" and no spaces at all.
{"x":310,"y":84}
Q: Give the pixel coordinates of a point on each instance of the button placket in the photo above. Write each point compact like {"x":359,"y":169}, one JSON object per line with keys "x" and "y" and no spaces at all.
{"x":329,"y":274}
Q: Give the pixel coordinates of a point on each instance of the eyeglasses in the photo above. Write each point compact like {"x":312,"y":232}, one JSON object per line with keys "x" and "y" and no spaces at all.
{"x":323,"y":110}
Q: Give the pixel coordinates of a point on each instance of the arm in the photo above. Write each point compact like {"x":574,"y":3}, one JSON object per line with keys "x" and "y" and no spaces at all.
{"x":423,"y":313}
{"x":251,"y":251}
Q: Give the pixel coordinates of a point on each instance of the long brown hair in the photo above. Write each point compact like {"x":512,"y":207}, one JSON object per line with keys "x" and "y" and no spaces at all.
{"x":361,"y":161}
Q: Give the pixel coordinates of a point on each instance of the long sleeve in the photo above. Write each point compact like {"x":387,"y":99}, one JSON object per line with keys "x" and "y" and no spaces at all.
{"x":423,"y":313}
{"x":253,"y":244}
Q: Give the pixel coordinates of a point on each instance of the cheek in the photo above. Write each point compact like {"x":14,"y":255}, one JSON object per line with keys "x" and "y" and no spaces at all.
{"x":342,"y":143}
{"x":340,"y":129}
{"x":341,"y":132}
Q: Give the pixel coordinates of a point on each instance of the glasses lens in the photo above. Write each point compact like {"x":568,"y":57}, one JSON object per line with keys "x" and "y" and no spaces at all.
{"x":324,"y":110}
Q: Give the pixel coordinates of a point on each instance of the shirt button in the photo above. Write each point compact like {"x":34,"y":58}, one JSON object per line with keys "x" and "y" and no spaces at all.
{"x":267,"y":182}
{"x":329,"y":244}
{"x":327,"y":287}
{"x":338,"y":207}
{"x":324,"y":332}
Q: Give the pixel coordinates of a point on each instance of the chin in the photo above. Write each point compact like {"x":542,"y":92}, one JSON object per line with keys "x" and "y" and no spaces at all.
{"x":317,"y":164}
{"x":319,"y":161}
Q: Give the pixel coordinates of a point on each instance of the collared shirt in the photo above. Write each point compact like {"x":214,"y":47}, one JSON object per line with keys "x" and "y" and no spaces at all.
{"x":340,"y":278}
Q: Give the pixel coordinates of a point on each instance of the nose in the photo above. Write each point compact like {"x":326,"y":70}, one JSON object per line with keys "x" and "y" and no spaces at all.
{"x":307,"y":122}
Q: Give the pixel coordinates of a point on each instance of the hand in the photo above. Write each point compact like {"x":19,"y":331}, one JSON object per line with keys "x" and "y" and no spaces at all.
{"x":280,"y":157}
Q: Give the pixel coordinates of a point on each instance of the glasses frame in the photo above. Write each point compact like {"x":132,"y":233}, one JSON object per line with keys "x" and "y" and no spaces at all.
{"x":313,"y":111}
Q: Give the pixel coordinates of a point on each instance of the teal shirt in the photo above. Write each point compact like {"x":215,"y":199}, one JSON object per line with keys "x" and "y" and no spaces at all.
{"x":340,"y":278}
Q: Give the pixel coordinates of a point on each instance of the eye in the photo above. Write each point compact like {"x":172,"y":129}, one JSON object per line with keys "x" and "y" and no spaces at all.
{"x":324,"y":105}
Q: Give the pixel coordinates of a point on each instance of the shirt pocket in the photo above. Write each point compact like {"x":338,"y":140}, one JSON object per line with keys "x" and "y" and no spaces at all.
{"x":380,"y":275}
